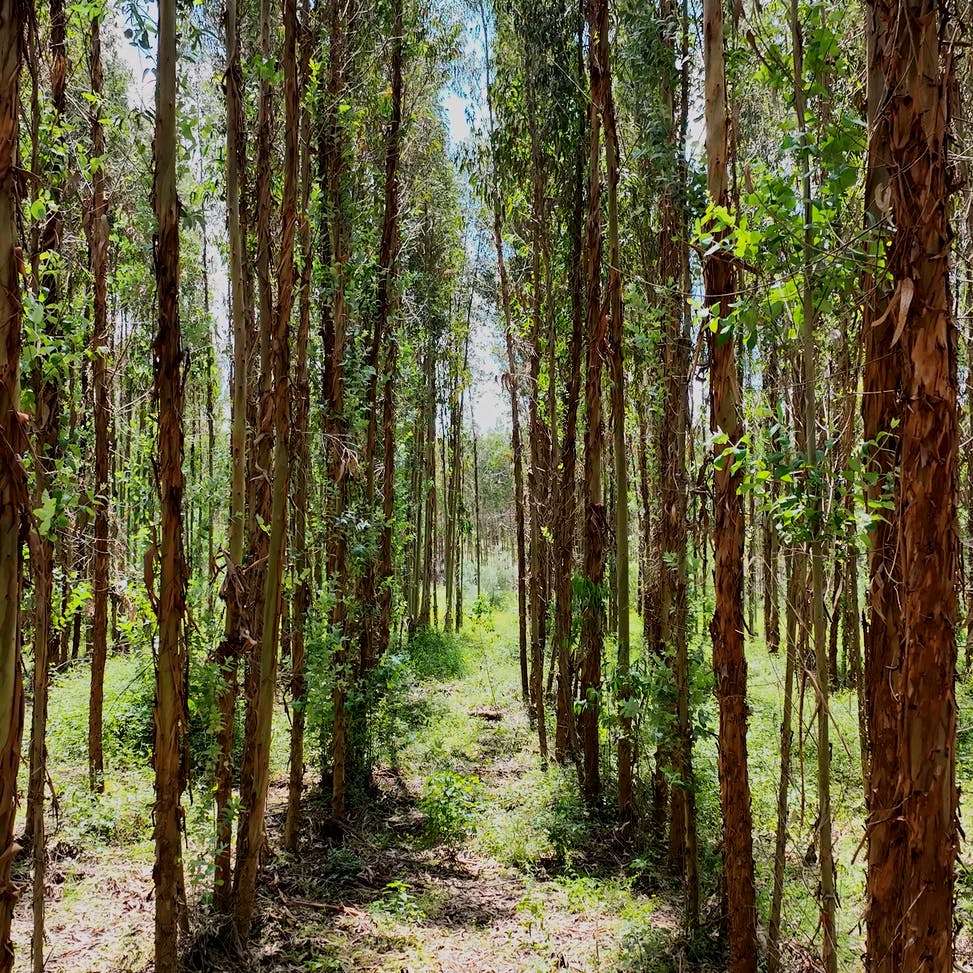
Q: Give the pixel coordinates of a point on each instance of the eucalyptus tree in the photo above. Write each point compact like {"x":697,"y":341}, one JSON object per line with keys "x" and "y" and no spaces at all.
{"x":914,"y":120}
{"x":13,"y":482}
{"x":595,"y":518}
{"x":883,"y":631}
{"x":97,"y":231}
{"x":729,"y":662}
{"x":46,"y":380}
{"x":261,"y":660}
{"x":274,"y":424}
{"x":170,"y":702}
{"x":300,"y":467}
{"x":231,"y":647}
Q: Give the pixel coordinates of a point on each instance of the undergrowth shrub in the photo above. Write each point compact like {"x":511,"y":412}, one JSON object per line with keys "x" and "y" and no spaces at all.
{"x":435,"y":654}
{"x":451,"y":805}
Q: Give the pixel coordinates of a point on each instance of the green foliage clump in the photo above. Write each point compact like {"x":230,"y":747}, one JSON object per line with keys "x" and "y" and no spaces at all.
{"x":435,"y":654}
{"x":451,"y":805}
{"x":128,"y":727}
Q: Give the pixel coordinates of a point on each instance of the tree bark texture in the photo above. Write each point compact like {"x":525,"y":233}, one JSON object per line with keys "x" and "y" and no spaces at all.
{"x":13,"y":479}
{"x":729,"y":663}
{"x":170,"y":702}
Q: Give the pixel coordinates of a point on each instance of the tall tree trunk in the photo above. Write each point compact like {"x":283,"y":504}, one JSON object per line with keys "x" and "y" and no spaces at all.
{"x":829,"y":899}
{"x":170,"y":700}
{"x":429,"y":485}
{"x":918,"y":81}
{"x":342,"y":19}
{"x":626,"y":808}
{"x":275,"y":423}
{"x":883,"y":631}
{"x":234,"y":591}
{"x":47,"y":429}
{"x":300,"y":475}
{"x":729,"y":663}
{"x":538,"y":432}
{"x":683,"y":852}
{"x":388,"y":258}
{"x":596,"y":524}
{"x":13,"y":481}
{"x":100,"y":349}
{"x":261,"y":458}
{"x":565,"y":743}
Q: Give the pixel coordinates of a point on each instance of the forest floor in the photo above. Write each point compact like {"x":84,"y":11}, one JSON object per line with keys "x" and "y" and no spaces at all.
{"x":465,"y":855}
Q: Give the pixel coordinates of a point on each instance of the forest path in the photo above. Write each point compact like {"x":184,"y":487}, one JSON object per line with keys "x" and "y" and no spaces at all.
{"x":467,"y":858}
{"x":390,"y":899}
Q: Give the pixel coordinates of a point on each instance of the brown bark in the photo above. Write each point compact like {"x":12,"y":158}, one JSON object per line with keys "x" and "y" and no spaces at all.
{"x":342,"y":17}
{"x":170,"y":702}
{"x":918,"y":82}
{"x":883,"y":631}
{"x":46,"y":429}
{"x":565,"y":743}
{"x":615,"y":348}
{"x":100,"y":344}
{"x":596,"y":523}
{"x":796,"y":584}
{"x":13,"y":480}
{"x":674,"y":257}
{"x":300,"y":478}
{"x":275,"y":423}
{"x":385,"y":327}
{"x":232,"y":645}
{"x":538,"y":435}
{"x":260,"y":501}
{"x":729,"y":663}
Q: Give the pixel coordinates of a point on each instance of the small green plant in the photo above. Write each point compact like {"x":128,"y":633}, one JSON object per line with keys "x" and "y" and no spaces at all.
{"x":400,"y":901}
{"x":451,"y":805}
{"x":342,"y":864}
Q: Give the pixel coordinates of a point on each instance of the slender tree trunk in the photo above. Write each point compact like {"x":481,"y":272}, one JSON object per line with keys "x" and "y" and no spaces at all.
{"x":796,"y":584}
{"x":829,"y":899}
{"x":100,"y":349}
{"x":478,"y":550}
{"x":919,"y":77}
{"x":626,"y":807}
{"x":275,"y":423}
{"x":538,"y":432}
{"x":13,"y":481}
{"x":300,"y":476}
{"x":565,"y":744}
{"x":596,"y":524}
{"x":47,"y":429}
{"x":883,"y":632}
{"x":261,"y":459}
{"x":729,"y":663}
{"x":429,"y":487}
{"x":683,"y":852}
{"x":170,"y":701}
{"x":234,"y":591}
